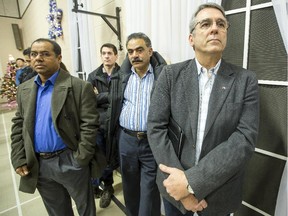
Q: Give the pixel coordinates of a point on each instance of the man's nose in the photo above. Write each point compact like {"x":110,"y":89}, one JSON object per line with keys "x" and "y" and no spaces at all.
{"x":135,"y":53}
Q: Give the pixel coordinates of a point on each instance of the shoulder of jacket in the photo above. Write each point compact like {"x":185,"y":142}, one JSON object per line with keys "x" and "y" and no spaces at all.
{"x":236,"y":70}
{"x":27,"y":84}
{"x":179,"y":66}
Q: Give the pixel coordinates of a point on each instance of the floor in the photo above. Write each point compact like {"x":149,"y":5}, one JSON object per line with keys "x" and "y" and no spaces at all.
{"x":15,"y":203}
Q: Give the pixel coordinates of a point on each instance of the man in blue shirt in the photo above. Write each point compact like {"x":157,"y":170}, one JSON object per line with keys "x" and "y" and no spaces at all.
{"x":53,"y":134}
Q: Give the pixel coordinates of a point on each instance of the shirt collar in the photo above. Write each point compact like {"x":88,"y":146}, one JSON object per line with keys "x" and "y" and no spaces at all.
{"x":51,"y":79}
{"x":214,"y":69}
{"x":149,"y":70}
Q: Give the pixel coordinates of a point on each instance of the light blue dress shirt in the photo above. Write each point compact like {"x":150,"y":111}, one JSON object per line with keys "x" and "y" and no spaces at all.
{"x":136,"y":101}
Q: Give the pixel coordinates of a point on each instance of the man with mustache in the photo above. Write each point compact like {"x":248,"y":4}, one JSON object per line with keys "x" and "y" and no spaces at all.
{"x":131,"y":92}
{"x":216,"y":104}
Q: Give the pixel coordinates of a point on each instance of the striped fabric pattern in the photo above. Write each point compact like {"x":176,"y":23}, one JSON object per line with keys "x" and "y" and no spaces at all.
{"x":136,"y":101}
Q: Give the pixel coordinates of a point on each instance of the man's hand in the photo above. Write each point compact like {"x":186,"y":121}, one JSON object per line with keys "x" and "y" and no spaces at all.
{"x":190,"y":203}
{"x":95,"y":90}
{"x":22,"y":171}
{"x":176,"y":183}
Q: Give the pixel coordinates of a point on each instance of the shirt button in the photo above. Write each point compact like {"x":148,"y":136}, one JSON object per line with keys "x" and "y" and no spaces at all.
{"x":194,"y":146}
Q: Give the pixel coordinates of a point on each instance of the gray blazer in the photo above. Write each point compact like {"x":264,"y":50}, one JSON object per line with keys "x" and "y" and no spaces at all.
{"x":229,"y":138}
{"x":74,"y":117}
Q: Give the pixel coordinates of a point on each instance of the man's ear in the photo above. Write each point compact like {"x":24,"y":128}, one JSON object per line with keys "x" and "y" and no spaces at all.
{"x":191,"y":40}
{"x":59,"y":57}
{"x":150,"y":51}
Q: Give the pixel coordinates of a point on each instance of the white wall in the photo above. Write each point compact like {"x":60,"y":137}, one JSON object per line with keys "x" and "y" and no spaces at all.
{"x":7,"y":42}
{"x":33,"y":25}
{"x":103,"y":33}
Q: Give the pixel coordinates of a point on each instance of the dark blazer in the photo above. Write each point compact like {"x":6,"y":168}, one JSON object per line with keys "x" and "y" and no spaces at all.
{"x":229,"y":137}
{"x":74,"y":117}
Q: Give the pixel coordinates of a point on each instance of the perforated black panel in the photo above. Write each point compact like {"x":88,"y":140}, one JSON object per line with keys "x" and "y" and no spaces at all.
{"x":235,"y":39}
{"x":273,"y":119}
{"x":229,"y":5}
{"x":267,"y":55}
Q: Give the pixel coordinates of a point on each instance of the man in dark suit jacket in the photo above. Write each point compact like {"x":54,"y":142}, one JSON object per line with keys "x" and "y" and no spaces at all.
{"x":53,"y":134}
{"x":216,"y":105}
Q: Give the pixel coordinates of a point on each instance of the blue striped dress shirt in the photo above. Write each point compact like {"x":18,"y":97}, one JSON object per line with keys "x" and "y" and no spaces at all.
{"x":137,"y":100}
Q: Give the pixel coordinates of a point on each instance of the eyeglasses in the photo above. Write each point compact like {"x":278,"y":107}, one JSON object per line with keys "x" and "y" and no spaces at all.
{"x":44,"y":54}
{"x":208,"y":23}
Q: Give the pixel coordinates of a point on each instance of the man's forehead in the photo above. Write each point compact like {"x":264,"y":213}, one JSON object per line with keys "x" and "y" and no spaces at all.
{"x":44,"y":46}
{"x":136,"y":43}
{"x":107,"y":49}
{"x":209,"y":13}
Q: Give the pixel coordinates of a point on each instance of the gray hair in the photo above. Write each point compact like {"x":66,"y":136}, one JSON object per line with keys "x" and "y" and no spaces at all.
{"x":139,"y":35}
{"x":193,"y":20}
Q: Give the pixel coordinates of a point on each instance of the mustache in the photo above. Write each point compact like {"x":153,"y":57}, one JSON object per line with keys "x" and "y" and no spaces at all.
{"x":136,"y":60}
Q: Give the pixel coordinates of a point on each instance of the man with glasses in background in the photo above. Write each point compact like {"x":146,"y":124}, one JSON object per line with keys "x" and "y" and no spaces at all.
{"x":26,"y":72}
{"x":216,"y":106}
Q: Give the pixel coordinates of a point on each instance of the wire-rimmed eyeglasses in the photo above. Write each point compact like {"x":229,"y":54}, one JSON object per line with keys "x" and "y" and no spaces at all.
{"x":206,"y":24}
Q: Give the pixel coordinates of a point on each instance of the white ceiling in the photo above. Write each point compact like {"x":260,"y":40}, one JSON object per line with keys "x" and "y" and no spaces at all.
{"x":13,"y":8}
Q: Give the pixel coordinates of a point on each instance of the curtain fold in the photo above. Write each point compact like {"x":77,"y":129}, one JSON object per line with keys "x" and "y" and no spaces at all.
{"x":86,"y":39}
{"x":73,"y":37}
{"x":282,"y":201}
{"x":281,"y":12}
{"x":166,"y":22}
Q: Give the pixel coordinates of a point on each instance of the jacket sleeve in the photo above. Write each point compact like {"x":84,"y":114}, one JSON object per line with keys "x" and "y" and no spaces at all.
{"x":18,"y":157}
{"x":88,"y":123}
{"x":102,"y":98}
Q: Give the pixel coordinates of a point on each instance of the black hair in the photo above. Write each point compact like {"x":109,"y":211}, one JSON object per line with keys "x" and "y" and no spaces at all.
{"x":27,"y":51}
{"x":56,"y":47}
{"x":109,"y":45}
{"x":20,"y":59}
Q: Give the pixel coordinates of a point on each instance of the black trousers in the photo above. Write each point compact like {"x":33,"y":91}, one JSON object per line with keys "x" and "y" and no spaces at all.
{"x":138,"y":171}
{"x":61,"y":178}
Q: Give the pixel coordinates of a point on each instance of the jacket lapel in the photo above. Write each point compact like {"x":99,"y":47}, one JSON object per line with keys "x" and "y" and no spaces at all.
{"x":62,"y":85}
{"x":221,"y":88}
{"x":29,"y":97}
{"x":191,"y":89}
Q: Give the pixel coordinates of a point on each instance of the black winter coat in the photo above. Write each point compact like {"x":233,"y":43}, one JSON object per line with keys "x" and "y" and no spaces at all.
{"x":101,"y":82}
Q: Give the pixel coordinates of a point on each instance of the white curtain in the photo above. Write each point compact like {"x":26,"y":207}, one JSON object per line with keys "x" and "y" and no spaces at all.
{"x":73,"y":38}
{"x":86,"y":38}
{"x":166,"y":22}
{"x":281,"y":12}
{"x":282,"y":201}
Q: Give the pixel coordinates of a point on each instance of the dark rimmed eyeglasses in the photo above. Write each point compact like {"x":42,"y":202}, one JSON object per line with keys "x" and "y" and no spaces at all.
{"x":44,"y":54}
